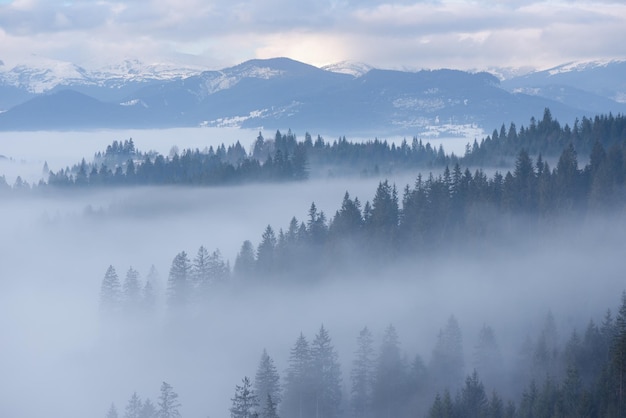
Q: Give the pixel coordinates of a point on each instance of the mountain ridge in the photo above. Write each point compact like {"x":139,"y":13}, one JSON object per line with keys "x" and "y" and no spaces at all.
{"x":282,"y":92}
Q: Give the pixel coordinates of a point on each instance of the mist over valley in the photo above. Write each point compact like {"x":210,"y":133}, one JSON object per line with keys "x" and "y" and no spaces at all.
{"x":510,"y":270}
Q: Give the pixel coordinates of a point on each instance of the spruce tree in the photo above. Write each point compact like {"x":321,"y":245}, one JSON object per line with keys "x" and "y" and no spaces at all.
{"x":446,"y":364}
{"x":178,"y":282}
{"x":389,"y":391}
{"x":245,"y":402}
{"x":132,"y":290}
{"x":297,"y":396}
{"x":267,"y":380}
{"x":362,"y":375}
{"x":168,"y":402}
{"x":326,"y":376}
{"x":112,"y":412}
{"x":110,"y":292}
{"x":148,"y":410}
{"x":134,"y":407}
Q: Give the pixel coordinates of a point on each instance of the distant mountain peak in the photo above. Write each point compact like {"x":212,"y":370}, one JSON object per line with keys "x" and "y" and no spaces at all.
{"x":578,"y":66}
{"x":355,"y":69}
{"x":40,"y":74}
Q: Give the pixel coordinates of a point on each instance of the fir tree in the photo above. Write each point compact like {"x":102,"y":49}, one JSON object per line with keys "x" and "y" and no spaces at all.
{"x":326,"y":376}
{"x":267,"y":380}
{"x":168,"y":402}
{"x":362,"y":375}
{"x":110,"y":291}
{"x":245,"y":402}
{"x":134,"y":407}
{"x":178,"y":281}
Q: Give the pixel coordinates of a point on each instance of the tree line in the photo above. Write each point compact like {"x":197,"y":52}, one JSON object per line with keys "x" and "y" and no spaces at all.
{"x":583,"y":375}
{"x":284,"y":158}
{"x":453,"y":207}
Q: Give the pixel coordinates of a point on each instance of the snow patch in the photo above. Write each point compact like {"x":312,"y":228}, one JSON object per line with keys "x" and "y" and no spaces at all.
{"x":234,"y":121}
{"x":578,"y":66}
{"x":223,"y":80}
{"x":355,"y":69}
{"x":620,"y":97}
{"x":134,"y":102}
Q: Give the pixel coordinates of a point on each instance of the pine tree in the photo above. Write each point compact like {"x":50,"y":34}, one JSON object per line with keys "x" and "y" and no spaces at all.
{"x":474,"y":402}
{"x":245,"y":261}
{"x":446,"y":365}
{"x":362,"y":375}
{"x":200,"y":272}
{"x":297,"y":396}
{"x":487,"y":356}
{"x":168,"y":402}
{"x":618,"y":356}
{"x":178,"y":281}
{"x":389,"y":392}
{"x":326,"y":376}
{"x":269,"y":410}
{"x":267,"y":380}
{"x":132,"y":290}
{"x":110,"y":291}
{"x":245,"y":402}
{"x":148,"y":409}
{"x":134,"y":407}
{"x":266,"y":251}
{"x":112,"y":413}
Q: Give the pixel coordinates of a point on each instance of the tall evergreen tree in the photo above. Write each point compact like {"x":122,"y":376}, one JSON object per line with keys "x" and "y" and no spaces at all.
{"x":178,"y":281}
{"x":134,"y":407}
{"x":326,"y":376}
{"x":389,"y":393}
{"x":110,"y":291}
{"x":297,"y":401}
{"x":148,"y":409}
{"x":446,"y":364}
{"x":245,"y":261}
{"x":168,"y":402}
{"x":132,"y":290}
{"x":112,"y":412}
{"x":266,"y":251}
{"x":245,"y":402}
{"x":362,"y":375}
{"x":267,"y":380}
{"x":269,"y":410}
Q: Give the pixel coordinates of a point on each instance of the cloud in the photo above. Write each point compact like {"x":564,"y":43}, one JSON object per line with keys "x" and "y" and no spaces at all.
{"x":389,"y":34}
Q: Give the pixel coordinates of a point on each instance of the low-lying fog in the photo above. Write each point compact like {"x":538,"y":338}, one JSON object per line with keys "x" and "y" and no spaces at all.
{"x":59,"y":359}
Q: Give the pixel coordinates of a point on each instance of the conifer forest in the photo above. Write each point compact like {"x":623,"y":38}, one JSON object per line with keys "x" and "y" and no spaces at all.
{"x":307,"y":277}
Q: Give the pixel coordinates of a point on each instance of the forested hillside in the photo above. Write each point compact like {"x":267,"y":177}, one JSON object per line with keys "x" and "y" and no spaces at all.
{"x":285,"y":158}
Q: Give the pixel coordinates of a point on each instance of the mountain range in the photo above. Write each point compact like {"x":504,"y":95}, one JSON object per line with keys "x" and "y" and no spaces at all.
{"x":280,"y":93}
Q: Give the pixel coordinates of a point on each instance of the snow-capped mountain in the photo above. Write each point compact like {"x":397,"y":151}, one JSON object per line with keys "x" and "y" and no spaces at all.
{"x":282,"y":93}
{"x":41,"y":75}
{"x":605,"y":79}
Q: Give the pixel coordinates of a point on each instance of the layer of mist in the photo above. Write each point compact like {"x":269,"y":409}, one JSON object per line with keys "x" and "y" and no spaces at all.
{"x":62,"y":358}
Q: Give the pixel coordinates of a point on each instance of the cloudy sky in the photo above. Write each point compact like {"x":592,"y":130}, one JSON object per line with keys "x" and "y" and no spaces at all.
{"x":411,"y":34}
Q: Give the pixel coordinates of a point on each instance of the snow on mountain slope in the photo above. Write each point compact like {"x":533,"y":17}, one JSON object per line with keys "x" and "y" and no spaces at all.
{"x":41,"y":75}
{"x":355,"y":69}
{"x":580,"y":66}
